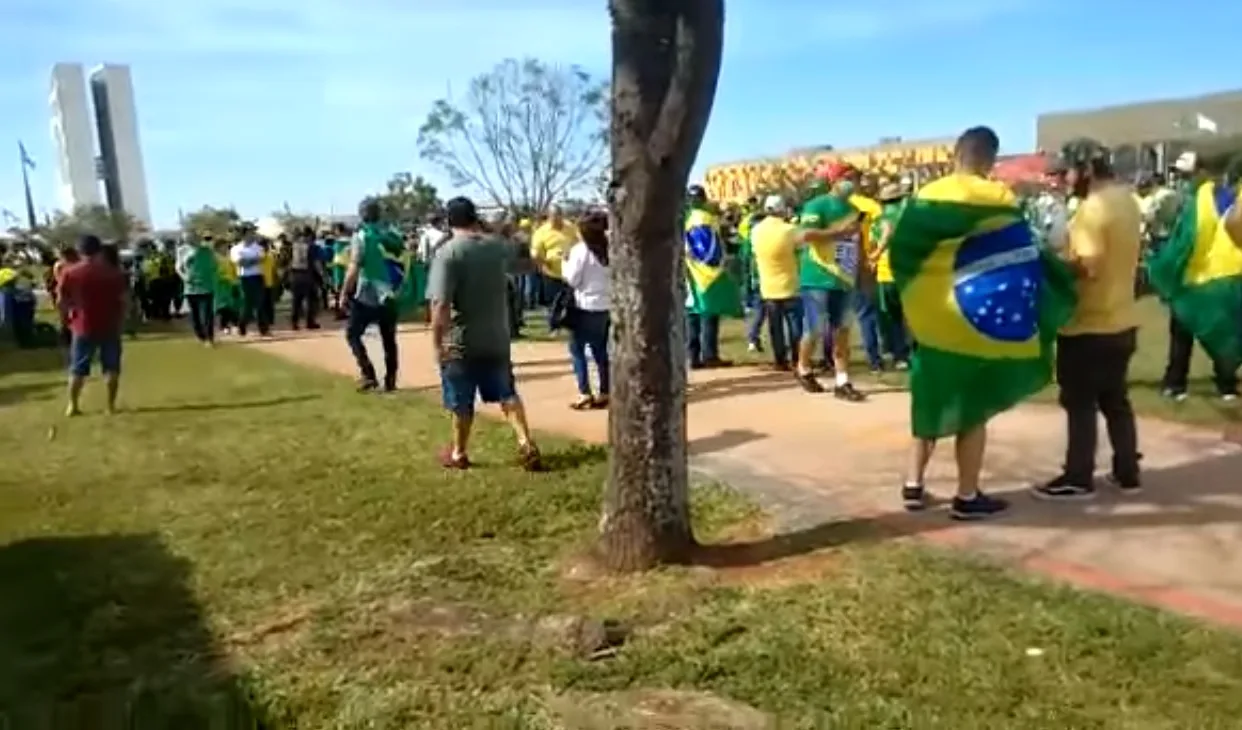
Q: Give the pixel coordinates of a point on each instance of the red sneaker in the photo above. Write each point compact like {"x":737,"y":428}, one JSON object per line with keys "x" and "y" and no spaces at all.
{"x":449,"y":461}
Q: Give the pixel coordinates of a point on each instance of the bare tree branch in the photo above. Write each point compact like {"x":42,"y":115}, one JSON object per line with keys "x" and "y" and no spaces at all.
{"x":525,"y":134}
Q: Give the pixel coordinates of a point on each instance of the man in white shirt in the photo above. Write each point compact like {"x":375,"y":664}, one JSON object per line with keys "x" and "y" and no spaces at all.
{"x":247,"y":255}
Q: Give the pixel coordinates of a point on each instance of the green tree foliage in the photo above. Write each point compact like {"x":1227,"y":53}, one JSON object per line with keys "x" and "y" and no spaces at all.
{"x":525,"y":134}
{"x":111,"y":225}
{"x":407,"y":200}
{"x":292,"y":222}
{"x":218,"y":223}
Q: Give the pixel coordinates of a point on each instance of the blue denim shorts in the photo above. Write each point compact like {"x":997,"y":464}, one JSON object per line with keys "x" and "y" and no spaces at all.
{"x":822,"y":307}
{"x":490,"y":379}
{"x":84,"y":350}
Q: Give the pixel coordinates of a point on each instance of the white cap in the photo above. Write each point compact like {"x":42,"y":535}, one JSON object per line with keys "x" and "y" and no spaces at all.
{"x":773,"y":203}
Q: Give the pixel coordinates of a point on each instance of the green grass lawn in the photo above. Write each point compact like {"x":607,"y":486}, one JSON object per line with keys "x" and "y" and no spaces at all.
{"x":250,"y":541}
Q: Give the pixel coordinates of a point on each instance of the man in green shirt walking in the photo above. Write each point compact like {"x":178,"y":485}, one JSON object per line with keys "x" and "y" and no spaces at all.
{"x":197,"y":266}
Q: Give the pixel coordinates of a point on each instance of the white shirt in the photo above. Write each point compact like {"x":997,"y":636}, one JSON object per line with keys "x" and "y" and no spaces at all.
{"x":589,"y":278}
{"x":427,"y":241}
{"x":248,"y":257}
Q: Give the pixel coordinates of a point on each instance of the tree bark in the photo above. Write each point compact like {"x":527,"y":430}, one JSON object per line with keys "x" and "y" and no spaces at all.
{"x":666,"y":61}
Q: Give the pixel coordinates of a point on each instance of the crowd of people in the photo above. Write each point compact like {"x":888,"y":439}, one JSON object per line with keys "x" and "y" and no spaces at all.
{"x":955,"y":279}
{"x":846,"y":255}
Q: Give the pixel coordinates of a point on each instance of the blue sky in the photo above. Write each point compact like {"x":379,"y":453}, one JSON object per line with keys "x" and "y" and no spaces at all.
{"x":316,"y":102}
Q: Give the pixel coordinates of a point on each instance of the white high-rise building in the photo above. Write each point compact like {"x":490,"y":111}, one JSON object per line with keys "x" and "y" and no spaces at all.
{"x":72,"y":122}
{"x":116,"y":122}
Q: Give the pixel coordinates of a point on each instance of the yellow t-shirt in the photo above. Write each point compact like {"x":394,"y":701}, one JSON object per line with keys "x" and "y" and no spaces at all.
{"x":268,"y":264}
{"x":775,"y":248}
{"x":1104,"y":235}
{"x":225,"y":266}
{"x":549,"y":244}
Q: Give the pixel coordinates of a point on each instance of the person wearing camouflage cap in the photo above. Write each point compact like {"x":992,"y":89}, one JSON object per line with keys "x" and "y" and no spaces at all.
{"x":1095,"y":347}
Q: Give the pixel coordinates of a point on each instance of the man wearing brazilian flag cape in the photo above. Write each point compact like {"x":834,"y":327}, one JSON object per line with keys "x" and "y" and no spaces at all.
{"x":983,"y":302}
{"x":378,"y":287}
{"x":711,"y":292}
{"x":1198,"y":274}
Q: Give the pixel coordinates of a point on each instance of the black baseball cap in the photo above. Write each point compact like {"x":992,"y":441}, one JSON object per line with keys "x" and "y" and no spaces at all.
{"x":461,"y":213}
{"x":1083,"y":152}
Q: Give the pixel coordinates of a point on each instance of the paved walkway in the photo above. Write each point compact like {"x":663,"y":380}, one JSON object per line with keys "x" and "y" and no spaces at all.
{"x":814,"y":460}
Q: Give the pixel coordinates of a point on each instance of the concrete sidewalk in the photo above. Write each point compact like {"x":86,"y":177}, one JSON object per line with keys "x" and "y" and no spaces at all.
{"x":815,"y":460}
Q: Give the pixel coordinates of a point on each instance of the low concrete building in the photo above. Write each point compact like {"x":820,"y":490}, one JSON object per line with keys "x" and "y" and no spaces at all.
{"x":1148,"y":134}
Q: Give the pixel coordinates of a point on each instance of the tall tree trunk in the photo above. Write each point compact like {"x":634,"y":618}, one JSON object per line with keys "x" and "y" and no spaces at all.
{"x":666,"y":60}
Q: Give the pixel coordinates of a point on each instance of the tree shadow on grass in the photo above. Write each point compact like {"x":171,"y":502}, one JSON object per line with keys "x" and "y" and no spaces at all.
{"x":573,"y":457}
{"x":224,"y":406}
{"x":785,"y":545}
{"x":33,"y":391}
{"x":104,"y":632}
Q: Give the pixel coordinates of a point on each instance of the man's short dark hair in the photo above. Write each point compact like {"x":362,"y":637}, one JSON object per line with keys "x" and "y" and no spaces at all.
{"x":461,"y":213}
{"x":977,"y":146}
{"x":369,"y":211}
{"x":89,"y":244}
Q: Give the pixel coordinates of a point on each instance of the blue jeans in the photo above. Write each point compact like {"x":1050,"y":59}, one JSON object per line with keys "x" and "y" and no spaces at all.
{"x":532,"y":290}
{"x":784,"y":327}
{"x":589,"y":330}
{"x":491,"y":379}
{"x":868,"y":327}
{"x":758,"y":316}
{"x":703,"y":338}
{"x":892,"y":322}
{"x":84,"y":350}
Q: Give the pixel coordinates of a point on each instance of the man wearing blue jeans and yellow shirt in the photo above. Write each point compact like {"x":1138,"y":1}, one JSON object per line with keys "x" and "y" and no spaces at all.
{"x":774,"y":246}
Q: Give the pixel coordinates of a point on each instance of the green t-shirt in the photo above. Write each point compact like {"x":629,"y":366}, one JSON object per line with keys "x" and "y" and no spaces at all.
{"x":819,"y":213}
{"x":198,"y":268}
{"x":470,"y":273}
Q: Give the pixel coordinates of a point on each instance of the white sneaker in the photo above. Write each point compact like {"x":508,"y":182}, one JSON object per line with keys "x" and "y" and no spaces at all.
{"x":1229,"y":397}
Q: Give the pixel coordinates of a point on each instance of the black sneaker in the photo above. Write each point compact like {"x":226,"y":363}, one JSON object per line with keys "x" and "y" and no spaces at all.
{"x":849,"y":393}
{"x":979,"y":507}
{"x":914,"y":497}
{"x":367,"y":385}
{"x":1064,"y":489}
{"x":1126,"y":486}
{"x":809,"y":383}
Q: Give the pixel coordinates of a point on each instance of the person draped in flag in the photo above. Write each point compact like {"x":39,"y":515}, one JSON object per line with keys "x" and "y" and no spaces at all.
{"x":1198,"y":274}
{"x":711,"y":291}
{"x":373,"y":287}
{"x":983,"y":301}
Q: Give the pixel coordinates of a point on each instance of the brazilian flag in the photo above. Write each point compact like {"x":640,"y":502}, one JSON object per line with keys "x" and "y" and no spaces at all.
{"x":711,"y":289}
{"x":982,"y":300}
{"x":1199,"y":274}
{"x":389,"y":267}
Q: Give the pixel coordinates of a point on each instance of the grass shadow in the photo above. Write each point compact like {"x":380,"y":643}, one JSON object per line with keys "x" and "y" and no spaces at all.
{"x":105,"y":632}
{"x":24,"y":392}
{"x":225,"y":406}
{"x":573,"y":457}
{"x":36,"y":360}
{"x":785,"y":545}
